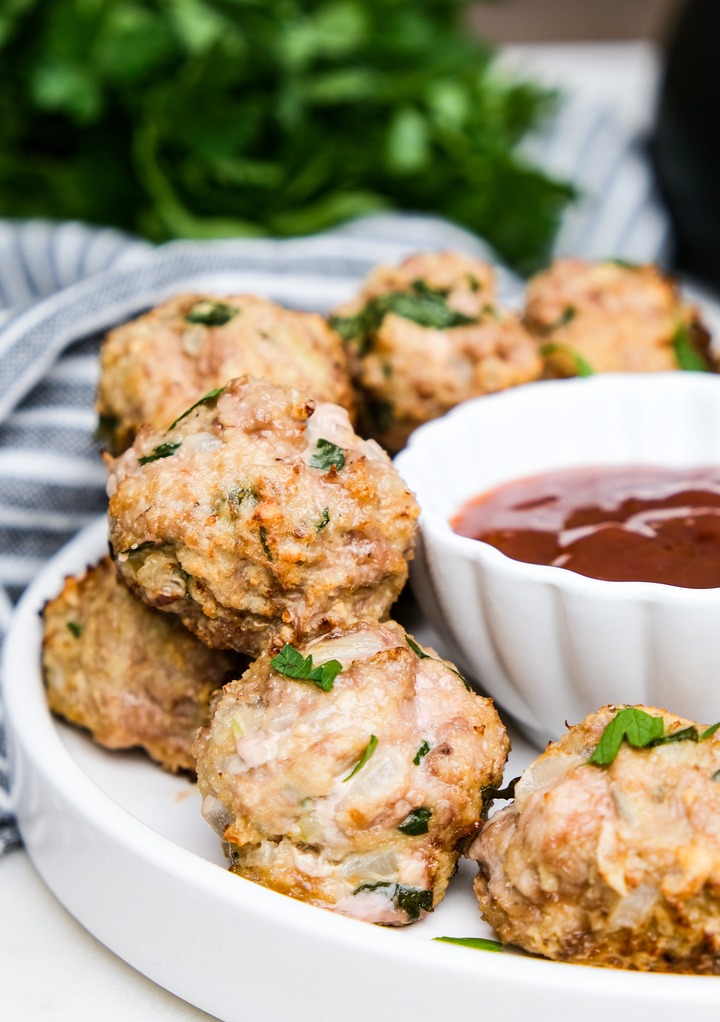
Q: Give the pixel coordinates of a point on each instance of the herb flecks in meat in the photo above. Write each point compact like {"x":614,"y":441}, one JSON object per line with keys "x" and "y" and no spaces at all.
{"x":207,"y":399}
{"x":642,"y":731}
{"x":327,"y":455}
{"x":164,"y":450}
{"x":367,"y":753}
{"x":290,"y":662}
{"x":209,"y":313}
{"x":416,"y":822}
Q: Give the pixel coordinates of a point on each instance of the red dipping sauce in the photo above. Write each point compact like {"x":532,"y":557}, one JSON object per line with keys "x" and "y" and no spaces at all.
{"x":626,"y":524}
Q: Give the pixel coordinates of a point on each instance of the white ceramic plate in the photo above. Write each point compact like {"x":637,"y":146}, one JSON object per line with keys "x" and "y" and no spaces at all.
{"x":124,"y":848}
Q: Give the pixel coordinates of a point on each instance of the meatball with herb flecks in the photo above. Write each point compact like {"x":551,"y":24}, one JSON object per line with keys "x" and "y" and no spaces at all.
{"x":611,"y":316}
{"x":261,"y":515}
{"x":426,"y":335}
{"x":130,"y":675}
{"x":610,"y":853}
{"x":154,"y":367}
{"x":347,"y":772}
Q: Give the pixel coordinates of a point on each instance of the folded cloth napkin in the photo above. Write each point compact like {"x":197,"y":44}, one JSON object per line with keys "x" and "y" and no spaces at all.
{"x":51,"y":480}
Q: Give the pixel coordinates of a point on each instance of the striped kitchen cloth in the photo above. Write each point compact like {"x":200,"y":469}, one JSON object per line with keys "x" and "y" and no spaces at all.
{"x":51,"y":479}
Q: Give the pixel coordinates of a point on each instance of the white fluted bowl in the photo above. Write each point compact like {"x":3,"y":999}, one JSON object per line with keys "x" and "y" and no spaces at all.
{"x":547,"y":644}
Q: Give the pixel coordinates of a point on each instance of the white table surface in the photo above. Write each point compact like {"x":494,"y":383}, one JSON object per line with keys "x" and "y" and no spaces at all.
{"x":51,"y":969}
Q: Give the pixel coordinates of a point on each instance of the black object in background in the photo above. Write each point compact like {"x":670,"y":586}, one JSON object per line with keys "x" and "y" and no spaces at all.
{"x":686,"y":140}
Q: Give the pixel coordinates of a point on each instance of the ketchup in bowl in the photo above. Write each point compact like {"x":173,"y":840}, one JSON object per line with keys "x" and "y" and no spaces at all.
{"x":619,"y":523}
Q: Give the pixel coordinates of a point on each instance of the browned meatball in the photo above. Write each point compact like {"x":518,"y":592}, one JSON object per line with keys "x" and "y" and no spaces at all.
{"x":130,"y":675}
{"x":154,"y":367}
{"x":351,"y":789}
{"x":425,"y":336}
{"x":261,"y":515}
{"x":615,"y":864}
{"x":613,"y":317}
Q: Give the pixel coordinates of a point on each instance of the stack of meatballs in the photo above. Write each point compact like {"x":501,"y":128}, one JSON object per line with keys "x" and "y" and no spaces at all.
{"x":259,"y":536}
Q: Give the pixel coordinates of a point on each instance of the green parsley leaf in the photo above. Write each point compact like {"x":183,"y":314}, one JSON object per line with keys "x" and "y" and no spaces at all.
{"x":479,"y":943}
{"x":566,"y":316}
{"x":582,"y":366}
{"x":410,"y":900}
{"x":290,"y":662}
{"x":426,"y":656}
{"x":161,"y":451}
{"x":327,"y":455}
{"x":75,"y":628}
{"x":416,"y":649}
{"x":207,"y":399}
{"x":324,"y":519}
{"x":369,"y":750}
{"x":210,"y":313}
{"x":421,"y":753}
{"x":416,"y":822}
{"x":635,"y":726}
{"x":423,"y":304}
{"x":264,"y":543}
{"x":686,"y":354}
{"x":709,"y":732}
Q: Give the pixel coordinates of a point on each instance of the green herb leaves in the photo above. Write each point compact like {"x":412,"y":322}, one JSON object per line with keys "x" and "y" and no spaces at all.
{"x":479,"y":943}
{"x":293,"y":664}
{"x":327,"y":455}
{"x":687,"y":355}
{"x":581,"y":365}
{"x":423,"y":304}
{"x":416,"y":822}
{"x":161,"y":451}
{"x":421,"y":753}
{"x":410,"y":900}
{"x":642,"y":731}
{"x":367,"y":753}
{"x":75,"y":628}
{"x":206,"y":399}
{"x":211,"y":313}
{"x":324,"y":520}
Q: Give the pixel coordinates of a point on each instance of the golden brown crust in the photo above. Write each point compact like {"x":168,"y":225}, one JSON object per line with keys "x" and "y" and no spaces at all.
{"x":242,"y":535}
{"x":408,"y":373}
{"x":154,"y":367}
{"x":131,"y":676}
{"x":614,"y":865}
{"x":614,"y":317}
{"x":275,"y":767}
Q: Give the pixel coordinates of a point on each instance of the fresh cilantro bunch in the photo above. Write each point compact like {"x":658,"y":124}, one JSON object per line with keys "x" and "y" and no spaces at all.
{"x":216,"y":118}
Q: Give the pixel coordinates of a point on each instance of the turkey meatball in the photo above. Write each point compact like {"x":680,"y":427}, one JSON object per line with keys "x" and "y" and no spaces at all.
{"x":260,"y":515}
{"x":154,"y":367}
{"x":130,"y":675}
{"x":610,"y":853}
{"x":425,"y":336}
{"x":613,"y":317}
{"x":346,"y":773}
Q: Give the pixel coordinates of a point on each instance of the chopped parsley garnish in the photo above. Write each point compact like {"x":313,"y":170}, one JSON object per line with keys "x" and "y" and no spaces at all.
{"x":105,"y":431}
{"x":75,"y":628}
{"x":642,"y":731}
{"x":264,"y":543}
{"x":416,"y":822}
{"x":293,"y":664}
{"x":161,"y":451}
{"x":686,"y":354}
{"x":207,"y":399}
{"x":566,"y":316}
{"x":426,"y":656}
{"x":209,"y":313}
{"x":327,"y":455}
{"x":582,"y":366}
{"x":367,"y":753}
{"x":473,"y":283}
{"x":323,"y":520}
{"x":479,"y":943}
{"x":410,"y":900}
{"x":421,"y":753}
{"x":422,"y":304}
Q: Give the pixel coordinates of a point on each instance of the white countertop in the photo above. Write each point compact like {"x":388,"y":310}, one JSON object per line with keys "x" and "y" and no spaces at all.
{"x":51,"y":969}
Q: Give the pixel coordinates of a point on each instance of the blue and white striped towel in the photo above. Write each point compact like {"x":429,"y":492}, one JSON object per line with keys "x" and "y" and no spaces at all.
{"x":51,"y":480}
